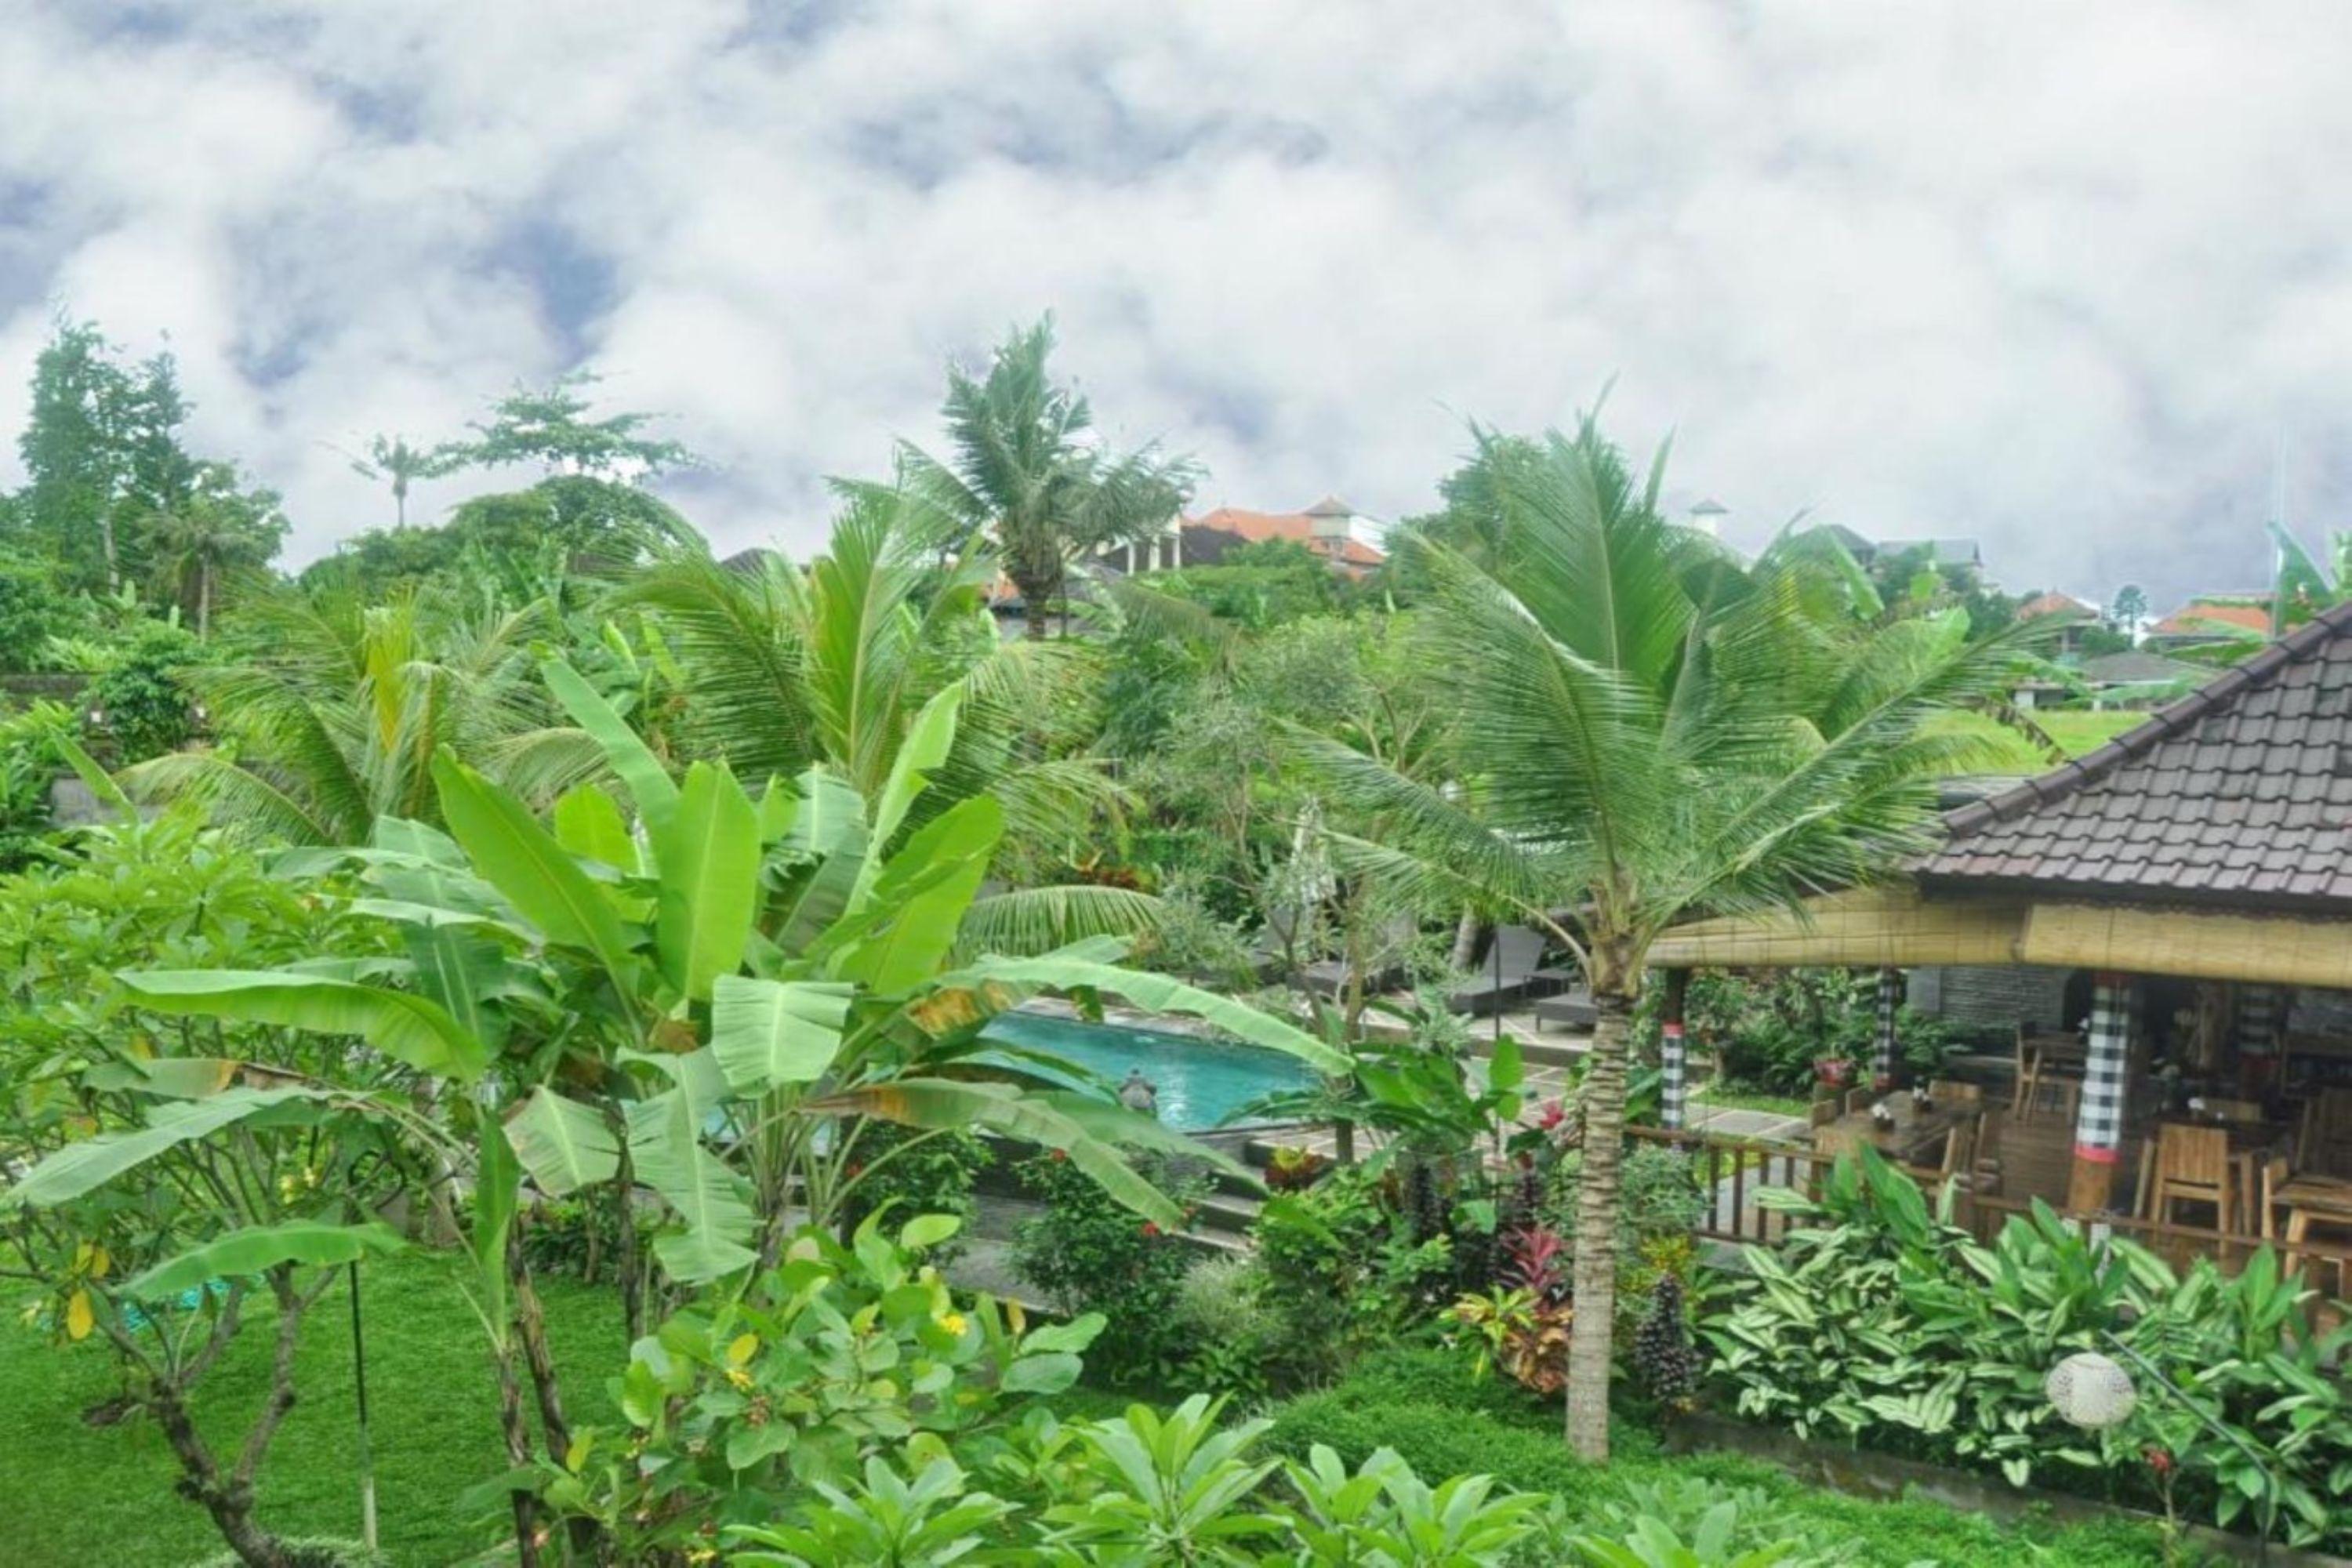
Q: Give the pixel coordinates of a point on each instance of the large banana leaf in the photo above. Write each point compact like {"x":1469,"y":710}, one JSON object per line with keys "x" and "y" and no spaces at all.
{"x":666,"y":1147}
{"x":1154,"y":992}
{"x":564,"y":1146}
{"x":510,"y":848}
{"x":709,"y":888}
{"x":461,"y":971}
{"x":963,"y":1105}
{"x":767,"y":1033}
{"x":829,"y":827}
{"x":589,"y":824}
{"x":311,"y":1242}
{"x":649,"y":782}
{"x":78,"y":1167}
{"x":404,"y":1027}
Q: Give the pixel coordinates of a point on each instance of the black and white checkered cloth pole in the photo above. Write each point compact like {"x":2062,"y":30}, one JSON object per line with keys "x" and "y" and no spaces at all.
{"x":2259,"y":1010}
{"x":2099,"y":1123}
{"x":1890,"y":991}
{"x":1669,"y":1067}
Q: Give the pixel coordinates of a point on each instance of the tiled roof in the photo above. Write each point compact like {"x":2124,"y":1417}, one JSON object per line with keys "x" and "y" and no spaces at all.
{"x":2239,"y":792}
{"x":2134,"y":667}
{"x":2055,"y":603}
{"x":2198,"y":615}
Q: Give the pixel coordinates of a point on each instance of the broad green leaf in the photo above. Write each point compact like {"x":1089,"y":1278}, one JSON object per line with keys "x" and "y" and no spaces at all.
{"x":927,"y":1230}
{"x":925,"y":746}
{"x":1000,"y":1107}
{"x":589,"y":824}
{"x":79,"y":1167}
{"x":907,"y":925}
{"x":310,"y":1242}
{"x":461,"y":971}
{"x":407,"y":1028}
{"x":1048,"y":1372}
{"x":497,"y":1185}
{"x":709,"y":888}
{"x":767,"y":1033}
{"x":564,"y":1146}
{"x":174,"y":1078}
{"x":1155,"y":994}
{"x":649,"y":782}
{"x":828,"y":827}
{"x":510,"y":848}
{"x":666,"y":1147}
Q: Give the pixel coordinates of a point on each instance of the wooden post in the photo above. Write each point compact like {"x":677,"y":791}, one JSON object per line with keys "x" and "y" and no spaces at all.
{"x":1672,"y":1061}
{"x":2099,"y":1119}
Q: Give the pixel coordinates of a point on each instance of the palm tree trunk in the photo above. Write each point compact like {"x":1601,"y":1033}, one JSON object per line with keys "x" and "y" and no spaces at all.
{"x":1036,"y":593}
{"x":1590,"y":1337}
{"x":203,"y":600}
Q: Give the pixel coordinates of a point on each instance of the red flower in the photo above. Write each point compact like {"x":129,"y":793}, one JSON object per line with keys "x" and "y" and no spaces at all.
{"x":1060,"y":1154}
{"x":1149,"y":1229}
{"x":857,"y":1168}
{"x":1553,"y":1115}
{"x":2158,"y":1460}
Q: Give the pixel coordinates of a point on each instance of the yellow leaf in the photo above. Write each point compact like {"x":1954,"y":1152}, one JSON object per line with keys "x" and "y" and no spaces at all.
{"x":79,"y":1319}
{"x":577,"y":1454}
{"x":745,"y":1347}
{"x":1015,"y":1317}
{"x":81,"y":1258}
{"x":99,"y":1262}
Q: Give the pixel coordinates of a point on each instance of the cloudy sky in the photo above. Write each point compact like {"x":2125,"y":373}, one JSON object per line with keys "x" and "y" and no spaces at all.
{"x":2060,"y":278}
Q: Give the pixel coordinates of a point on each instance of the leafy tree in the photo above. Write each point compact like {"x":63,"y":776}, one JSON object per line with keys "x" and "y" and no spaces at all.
{"x":2129,"y":609}
{"x":101,"y":450}
{"x":35,"y":606}
{"x":140,"y":701}
{"x":390,"y":460}
{"x":548,"y":425}
{"x":1027,"y":472}
{"x":1646,"y":731}
{"x":1267,"y":584}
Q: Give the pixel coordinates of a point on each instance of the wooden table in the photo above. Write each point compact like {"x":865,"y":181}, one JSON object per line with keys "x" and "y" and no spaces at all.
{"x":1916,"y":1139}
{"x":2309,"y":1201}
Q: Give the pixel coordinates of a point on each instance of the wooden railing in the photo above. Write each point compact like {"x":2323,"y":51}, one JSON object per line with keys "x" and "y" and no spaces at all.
{"x":1733,"y":1171}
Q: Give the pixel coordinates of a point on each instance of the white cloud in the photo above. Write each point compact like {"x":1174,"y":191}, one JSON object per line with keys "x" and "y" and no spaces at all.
{"x":2053,"y":277}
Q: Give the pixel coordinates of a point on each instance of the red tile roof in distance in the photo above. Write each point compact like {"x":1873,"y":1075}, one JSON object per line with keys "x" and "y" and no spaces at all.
{"x":2054,"y":604}
{"x":1257,"y":527}
{"x":2240,"y":793}
{"x":2190,"y":618}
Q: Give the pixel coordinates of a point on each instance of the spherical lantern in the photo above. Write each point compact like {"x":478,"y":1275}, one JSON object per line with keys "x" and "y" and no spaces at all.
{"x":2090,"y":1391}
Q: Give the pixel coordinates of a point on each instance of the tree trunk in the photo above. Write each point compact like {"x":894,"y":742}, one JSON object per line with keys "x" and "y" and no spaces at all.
{"x":203,"y":602}
{"x":1591,"y":1335}
{"x":1036,"y":592}
{"x":519,"y":1456}
{"x":1466,"y":939}
{"x":230,"y":1505}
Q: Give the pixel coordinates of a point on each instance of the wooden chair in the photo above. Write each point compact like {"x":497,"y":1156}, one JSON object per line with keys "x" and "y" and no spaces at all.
{"x":1961,"y":1148}
{"x":2270,"y":1178}
{"x":1822,"y":1112}
{"x":2042,"y":1078}
{"x":2323,"y":1144}
{"x":1860,"y":1100}
{"x":1952,"y":1091}
{"x":2192,"y":1165}
{"x":1985,"y":1174}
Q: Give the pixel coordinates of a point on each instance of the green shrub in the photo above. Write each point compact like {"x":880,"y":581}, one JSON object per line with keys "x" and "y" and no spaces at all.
{"x":1088,"y":1253}
{"x":145,"y":710}
{"x":1231,"y":1337}
{"x":912,"y":1173}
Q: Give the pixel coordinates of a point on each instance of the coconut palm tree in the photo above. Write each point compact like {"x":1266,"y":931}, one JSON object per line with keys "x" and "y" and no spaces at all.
{"x":1648,"y":730}
{"x":1029,"y":473}
{"x":783,"y":665}
{"x":390,"y":460}
{"x":338,"y":721}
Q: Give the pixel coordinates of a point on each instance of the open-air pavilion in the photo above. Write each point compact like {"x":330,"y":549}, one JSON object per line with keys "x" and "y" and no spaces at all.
{"x":2192,"y":876}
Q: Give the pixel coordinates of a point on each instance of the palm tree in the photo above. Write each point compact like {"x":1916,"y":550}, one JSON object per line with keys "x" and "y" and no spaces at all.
{"x":1648,"y":730}
{"x":1029,"y":472}
{"x":392,"y":460}
{"x":338,"y":721}
{"x":783,"y":666}
{"x":208,"y":533}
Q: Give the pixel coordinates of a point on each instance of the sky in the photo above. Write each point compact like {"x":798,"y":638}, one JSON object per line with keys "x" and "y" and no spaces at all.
{"x":2066,"y":279}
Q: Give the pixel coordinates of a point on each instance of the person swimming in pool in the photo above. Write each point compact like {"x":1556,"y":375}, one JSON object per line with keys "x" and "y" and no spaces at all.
{"x":1139,"y":1093}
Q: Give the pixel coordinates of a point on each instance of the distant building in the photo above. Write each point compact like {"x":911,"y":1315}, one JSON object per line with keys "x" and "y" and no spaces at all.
{"x":2070,"y":615}
{"x":1330,"y":529}
{"x":2138,"y":678}
{"x":1962,"y":552}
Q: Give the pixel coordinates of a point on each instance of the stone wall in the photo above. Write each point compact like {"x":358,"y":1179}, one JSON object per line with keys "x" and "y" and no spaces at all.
{"x":1999,"y":994}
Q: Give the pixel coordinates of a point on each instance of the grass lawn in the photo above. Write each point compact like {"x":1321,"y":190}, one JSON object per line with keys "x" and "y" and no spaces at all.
{"x":2007,"y":751}
{"x":1737,"y":1100}
{"x":73,"y":1494}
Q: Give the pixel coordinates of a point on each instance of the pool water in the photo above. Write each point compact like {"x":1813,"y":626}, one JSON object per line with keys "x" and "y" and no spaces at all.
{"x":1200,"y":1082}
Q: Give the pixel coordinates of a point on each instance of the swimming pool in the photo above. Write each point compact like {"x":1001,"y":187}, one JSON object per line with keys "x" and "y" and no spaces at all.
{"x":1200,"y":1081}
